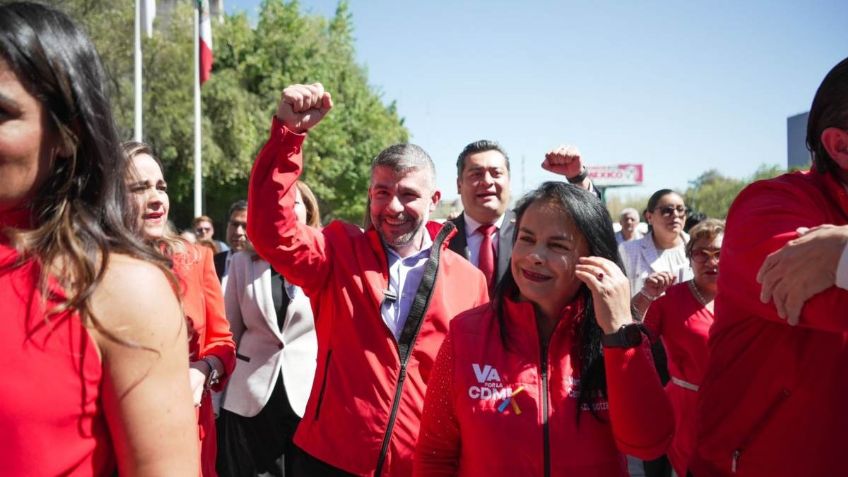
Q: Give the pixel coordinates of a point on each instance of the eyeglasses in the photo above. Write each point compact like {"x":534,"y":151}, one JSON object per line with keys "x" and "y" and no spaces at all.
{"x":203,"y":230}
{"x":669,"y":210}
{"x":702,"y":256}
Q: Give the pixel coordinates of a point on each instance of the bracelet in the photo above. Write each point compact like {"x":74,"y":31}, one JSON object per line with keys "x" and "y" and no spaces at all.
{"x":213,"y":377}
{"x":649,"y":297}
{"x":579,"y":177}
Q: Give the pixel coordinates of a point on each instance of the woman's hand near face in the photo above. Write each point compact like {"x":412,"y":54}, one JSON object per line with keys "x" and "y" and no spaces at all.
{"x":610,"y":291}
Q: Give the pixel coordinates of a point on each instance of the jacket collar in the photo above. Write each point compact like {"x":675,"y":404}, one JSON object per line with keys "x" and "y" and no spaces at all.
{"x":522,"y":313}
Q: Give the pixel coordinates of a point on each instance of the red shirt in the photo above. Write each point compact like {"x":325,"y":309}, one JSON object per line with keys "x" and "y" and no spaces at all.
{"x":470,"y":429}
{"x":684,"y":324}
{"x":51,"y":413}
{"x":772,"y":402}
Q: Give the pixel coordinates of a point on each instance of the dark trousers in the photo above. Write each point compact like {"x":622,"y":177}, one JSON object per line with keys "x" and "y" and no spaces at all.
{"x":258,"y":445}
{"x":304,"y":465}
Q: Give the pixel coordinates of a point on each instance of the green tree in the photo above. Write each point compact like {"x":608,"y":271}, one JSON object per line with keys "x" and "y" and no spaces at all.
{"x":252,"y":66}
{"x":712,"y":193}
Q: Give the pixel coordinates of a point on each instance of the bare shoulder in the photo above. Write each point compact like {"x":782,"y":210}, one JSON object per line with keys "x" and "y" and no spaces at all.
{"x":136,"y":302}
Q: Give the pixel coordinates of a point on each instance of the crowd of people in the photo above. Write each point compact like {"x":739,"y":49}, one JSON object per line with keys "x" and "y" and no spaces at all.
{"x":525,"y":341}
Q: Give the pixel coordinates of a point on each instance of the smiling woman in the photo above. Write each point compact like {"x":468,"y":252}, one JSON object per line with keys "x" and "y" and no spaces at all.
{"x":532,"y":363}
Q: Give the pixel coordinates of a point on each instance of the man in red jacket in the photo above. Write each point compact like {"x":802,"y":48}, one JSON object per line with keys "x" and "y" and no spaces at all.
{"x":383,"y":297}
{"x":772,"y":402}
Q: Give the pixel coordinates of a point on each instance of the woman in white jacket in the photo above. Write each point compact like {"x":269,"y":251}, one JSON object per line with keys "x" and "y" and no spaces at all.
{"x":273,"y":327}
{"x":654,"y":262}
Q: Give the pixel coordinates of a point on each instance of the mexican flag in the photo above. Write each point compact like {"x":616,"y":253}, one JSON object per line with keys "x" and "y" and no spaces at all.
{"x":205,"y":40}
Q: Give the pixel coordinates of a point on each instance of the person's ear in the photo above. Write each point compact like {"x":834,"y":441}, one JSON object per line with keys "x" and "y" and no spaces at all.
{"x":835,"y":142}
{"x":435,"y":200}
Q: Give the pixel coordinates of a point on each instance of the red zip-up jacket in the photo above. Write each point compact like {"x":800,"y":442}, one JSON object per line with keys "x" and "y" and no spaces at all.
{"x":365,"y":407}
{"x":773,"y":399}
{"x":471,"y":426}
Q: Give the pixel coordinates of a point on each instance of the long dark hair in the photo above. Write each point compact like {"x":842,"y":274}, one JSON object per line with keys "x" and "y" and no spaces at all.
{"x":595,"y":223}
{"x":80,"y":213}
{"x":829,"y":109}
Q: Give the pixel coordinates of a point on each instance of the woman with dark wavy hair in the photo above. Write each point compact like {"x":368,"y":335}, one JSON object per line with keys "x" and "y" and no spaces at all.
{"x":554,"y":377}
{"x":212,"y":352}
{"x":94,"y":342}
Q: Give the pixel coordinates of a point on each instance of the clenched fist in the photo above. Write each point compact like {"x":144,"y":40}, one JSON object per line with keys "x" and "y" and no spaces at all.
{"x":564,"y":160}
{"x":302,"y":106}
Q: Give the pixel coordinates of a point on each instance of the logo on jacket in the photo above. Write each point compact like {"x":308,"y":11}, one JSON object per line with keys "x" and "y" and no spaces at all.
{"x":490,"y":385}
{"x":485,"y":374}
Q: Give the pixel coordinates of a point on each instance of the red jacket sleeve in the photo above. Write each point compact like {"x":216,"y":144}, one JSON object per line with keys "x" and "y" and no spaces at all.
{"x":218,"y":340}
{"x":297,"y":251}
{"x":762,"y":219}
{"x":640,"y":413}
{"x":437,"y":450}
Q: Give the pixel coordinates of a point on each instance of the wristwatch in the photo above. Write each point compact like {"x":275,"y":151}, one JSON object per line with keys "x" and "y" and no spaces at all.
{"x":579,"y":178}
{"x":213,"y":377}
{"x":628,"y":336}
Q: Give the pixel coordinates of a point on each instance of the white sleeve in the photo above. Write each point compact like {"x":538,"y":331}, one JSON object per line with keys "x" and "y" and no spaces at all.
{"x":842,"y":270}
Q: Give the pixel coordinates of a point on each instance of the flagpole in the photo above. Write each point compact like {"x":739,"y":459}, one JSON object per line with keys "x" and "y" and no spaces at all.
{"x":137,"y":132}
{"x":198,"y":176}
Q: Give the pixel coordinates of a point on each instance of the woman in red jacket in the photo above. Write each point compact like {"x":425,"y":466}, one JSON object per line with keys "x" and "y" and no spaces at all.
{"x":211,"y":346}
{"x":682,"y":318}
{"x":553,"y":378}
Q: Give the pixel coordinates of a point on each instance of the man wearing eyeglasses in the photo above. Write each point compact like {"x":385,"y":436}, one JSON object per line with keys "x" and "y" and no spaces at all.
{"x":236,"y":238}
{"x":204,"y":229}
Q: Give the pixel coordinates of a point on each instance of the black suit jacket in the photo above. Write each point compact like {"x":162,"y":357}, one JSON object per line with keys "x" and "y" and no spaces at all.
{"x":459,"y":243}
{"x":220,"y":260}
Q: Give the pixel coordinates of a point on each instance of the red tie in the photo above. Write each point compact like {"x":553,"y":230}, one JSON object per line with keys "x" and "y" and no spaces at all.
{"x":486,"y":259}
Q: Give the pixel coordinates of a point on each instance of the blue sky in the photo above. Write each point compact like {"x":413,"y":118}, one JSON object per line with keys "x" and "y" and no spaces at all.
{"x":680,"y":87}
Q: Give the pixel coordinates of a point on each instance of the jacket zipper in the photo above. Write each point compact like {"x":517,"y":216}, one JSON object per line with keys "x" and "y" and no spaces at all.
{"x":392,"y":417}
{"x":429,"y":273}
{"x":737,"y":453}
{"x":546,"y":433}
{"x":323,"y":385}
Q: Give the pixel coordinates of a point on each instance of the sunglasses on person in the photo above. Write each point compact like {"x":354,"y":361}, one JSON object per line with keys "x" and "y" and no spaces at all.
{"x":702,"y":255}
{"x":669,"y":210}
{"x":203,"y":230}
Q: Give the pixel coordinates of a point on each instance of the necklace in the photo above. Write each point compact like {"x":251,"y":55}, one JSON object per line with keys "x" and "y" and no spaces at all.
{"x":697,"y":293}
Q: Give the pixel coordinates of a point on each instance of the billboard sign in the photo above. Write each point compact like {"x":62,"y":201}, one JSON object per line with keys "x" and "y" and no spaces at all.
{"x":616,"y":175}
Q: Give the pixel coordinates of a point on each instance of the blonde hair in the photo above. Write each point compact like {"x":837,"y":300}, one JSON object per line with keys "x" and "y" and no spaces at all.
{"x":707,"y":229}
{"x":313,"y":213}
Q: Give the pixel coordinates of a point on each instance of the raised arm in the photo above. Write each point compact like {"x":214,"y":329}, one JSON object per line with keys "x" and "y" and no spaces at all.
{"x":640,"y":412}
{"x":567,"y":161}
{"x":296,"y":250}
{"x":146,"y":395}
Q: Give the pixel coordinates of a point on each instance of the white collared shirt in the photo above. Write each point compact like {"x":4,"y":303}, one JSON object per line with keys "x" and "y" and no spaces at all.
{"x":404,"y":277}
{"x":474,"y":237}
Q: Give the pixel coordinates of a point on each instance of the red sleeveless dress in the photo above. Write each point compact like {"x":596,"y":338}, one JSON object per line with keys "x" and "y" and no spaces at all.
{"x":51,"y":415}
